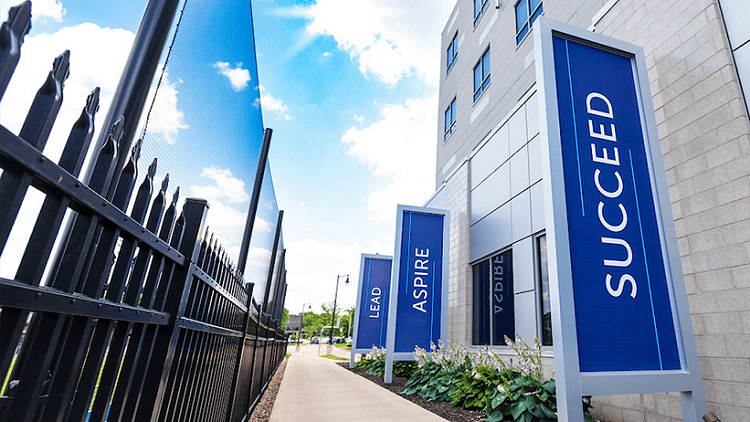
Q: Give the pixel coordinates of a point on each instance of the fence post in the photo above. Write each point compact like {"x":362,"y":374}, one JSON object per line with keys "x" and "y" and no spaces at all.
{"x":194,"y":216}
{"x":240,"y":352}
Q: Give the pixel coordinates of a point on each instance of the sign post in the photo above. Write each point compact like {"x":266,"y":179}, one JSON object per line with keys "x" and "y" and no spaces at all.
{"x":418,"y":302}
{"x":371,"y":313}
{"x":621,"y":322}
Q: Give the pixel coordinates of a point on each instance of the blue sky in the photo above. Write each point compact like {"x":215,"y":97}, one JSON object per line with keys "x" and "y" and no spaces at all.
{"x":349,"y":87}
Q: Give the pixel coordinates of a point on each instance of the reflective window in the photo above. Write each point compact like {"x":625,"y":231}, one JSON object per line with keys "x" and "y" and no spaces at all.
{"x":450,"y":120}
{"x":482,"y":74}
{"x":479,"y":7}
{"x":452,"y":53}
{"x":526,"y":13}
{"x":544,"y":298}
{"x":493,"y":315}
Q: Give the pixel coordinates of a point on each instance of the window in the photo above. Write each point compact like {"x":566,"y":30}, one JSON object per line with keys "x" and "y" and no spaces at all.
{"x":479,"y":8}
{"x":526,"y":13}
{"x":482,"y":74}
{"x":450,"y":120}
{"x":452,"y":53}
{"x":493,"y":315}
{"x":546,"y":310}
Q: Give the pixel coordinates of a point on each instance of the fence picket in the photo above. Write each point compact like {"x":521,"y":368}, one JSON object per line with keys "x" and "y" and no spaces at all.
{"x":130,"y":325}
{"x":12,"y":33}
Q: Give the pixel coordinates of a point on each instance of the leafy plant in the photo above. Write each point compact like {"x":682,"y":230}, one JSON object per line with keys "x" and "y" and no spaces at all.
{"x":374,"y":364}
{"x":476,"y":387}
{"x":433,"y":382}
{"x":523,"y":399}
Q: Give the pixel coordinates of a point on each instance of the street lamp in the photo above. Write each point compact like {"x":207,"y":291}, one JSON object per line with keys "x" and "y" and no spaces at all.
{"x":301,"y":319}
{"x":335,"y":297}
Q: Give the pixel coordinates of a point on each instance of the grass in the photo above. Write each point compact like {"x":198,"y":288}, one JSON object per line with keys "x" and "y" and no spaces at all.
{"x":332,"y":357}
{"x":287,"y":355}
{"x":343,"y":346}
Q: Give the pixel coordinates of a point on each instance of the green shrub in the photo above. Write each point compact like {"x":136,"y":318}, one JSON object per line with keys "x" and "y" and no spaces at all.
{"x":481,"y":380}
{"x":476,"y":387}
{"x":374,"y":364}
{"x":433,"y":382}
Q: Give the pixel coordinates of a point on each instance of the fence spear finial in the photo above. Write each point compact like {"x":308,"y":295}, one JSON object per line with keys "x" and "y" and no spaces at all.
{"x":12,"y":33}
{"x":175,"y":196}
{"x":151,"y":169}
{"x":164,"y":184}
{"x":92,"y":102}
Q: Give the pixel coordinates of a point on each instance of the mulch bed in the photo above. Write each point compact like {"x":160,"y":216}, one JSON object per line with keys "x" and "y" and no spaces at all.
{"x":443,"y":409}
{"x":262,"y":411}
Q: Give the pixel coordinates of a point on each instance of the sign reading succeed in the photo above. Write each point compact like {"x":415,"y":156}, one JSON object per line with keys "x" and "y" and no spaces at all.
{"x":372,"y":302}
{"x":419,"y":288}
{"x":622,"y":303}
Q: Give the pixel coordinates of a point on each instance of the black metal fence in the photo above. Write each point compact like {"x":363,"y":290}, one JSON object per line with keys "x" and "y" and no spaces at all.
{"x":141,"y":316}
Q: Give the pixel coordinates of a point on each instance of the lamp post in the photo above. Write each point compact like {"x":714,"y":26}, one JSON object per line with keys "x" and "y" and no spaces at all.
{"x":335,"y":297}
{"x":301,"y":319}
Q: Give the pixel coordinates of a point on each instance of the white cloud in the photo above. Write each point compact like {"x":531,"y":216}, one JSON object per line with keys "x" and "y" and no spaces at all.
{"x":41,"y":10}
{"x":166,"y":119}
{"x":358,"y":118}
{"x":313,"y":266}
{"x":97,"y":57}
{"x":391,"y":39}
{"x":237,"y":76}
{"x":226,"y":188}
{"x":400,"y":146}
{"x":271,"y":103}
{"x":327,"y":54}
{"x":227,"y":211}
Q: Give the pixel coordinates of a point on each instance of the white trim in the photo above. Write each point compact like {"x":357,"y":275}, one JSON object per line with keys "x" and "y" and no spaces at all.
{"x":600,"y":14}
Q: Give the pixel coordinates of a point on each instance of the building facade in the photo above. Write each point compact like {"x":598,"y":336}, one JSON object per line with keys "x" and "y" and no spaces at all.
{"x":489,"y":175}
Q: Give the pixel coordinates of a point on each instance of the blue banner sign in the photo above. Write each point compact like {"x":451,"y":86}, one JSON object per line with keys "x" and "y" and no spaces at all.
{"x":420,"y":251}
{"x":372,"y":306}
{"x":624,"y":318}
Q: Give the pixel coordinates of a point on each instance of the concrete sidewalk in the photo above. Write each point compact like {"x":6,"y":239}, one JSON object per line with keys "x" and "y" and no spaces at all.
{"x":316,"y":389}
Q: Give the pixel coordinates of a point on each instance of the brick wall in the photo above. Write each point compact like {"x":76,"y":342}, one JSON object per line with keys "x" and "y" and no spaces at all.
{"x":705,"y":140}
{"x":459,"y":290}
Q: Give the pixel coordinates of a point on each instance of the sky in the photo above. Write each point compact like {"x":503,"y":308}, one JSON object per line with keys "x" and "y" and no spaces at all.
{"x":349,"y":88}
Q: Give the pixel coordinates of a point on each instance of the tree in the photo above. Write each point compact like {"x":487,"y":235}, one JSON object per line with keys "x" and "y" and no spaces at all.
{"x":284,"y":318}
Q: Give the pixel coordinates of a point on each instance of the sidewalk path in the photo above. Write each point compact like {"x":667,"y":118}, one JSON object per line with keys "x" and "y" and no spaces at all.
{"x":315,"y":389}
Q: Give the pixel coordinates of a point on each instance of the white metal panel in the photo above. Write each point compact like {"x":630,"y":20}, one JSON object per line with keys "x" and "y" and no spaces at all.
{"x":489,"y":195}
{"x":438,"y":199}
{"x":525,"y":313}
{"x":492,"y":154}
{"x":519,"y":171}
{"x":736,"y":19}
{"x":537,"y":207}
{"x":535,"y":160}
{"x":517,"y":126}
{"x":523,"y":266}
{"x":521,"y":215}
{"x":491,"y":234}
{"x":532,"y":117}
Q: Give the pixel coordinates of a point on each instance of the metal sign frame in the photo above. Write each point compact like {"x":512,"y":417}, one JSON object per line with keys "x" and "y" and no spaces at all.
{"x":390,"y":354}
{"x":360,"y":290}
{"x":571,"y":383}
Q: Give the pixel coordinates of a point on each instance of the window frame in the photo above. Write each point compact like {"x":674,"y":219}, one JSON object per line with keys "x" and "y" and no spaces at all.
{"x":450,"y":112}
{"x":479,"y":13}
{"x":545,"y":337}
{"x":451,"y":58}
{"x":531,"y":16}
{"x":486,"y":76}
